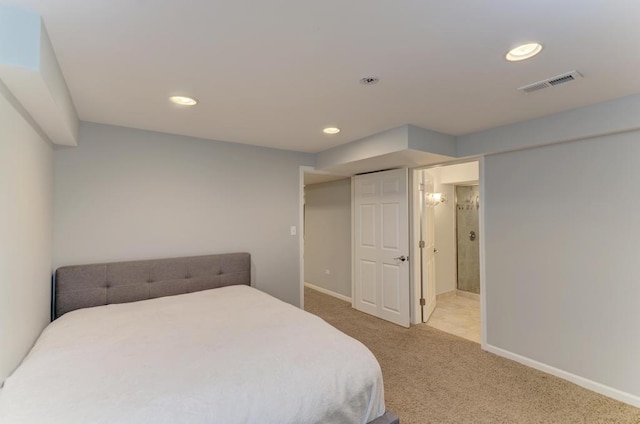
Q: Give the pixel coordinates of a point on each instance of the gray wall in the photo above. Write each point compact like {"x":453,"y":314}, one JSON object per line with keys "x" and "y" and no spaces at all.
{"x":327,"y":242}
{"x":26,"y":227}
{"x":614,"y":116}
{"x":127,"y":194}
{"x":562,"y":248}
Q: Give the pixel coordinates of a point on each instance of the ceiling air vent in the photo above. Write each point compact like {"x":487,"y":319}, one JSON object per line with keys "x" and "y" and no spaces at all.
{"x":551,"y":82}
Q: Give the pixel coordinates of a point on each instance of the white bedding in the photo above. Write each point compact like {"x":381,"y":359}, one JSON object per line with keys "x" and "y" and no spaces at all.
{"x":228,"y":355}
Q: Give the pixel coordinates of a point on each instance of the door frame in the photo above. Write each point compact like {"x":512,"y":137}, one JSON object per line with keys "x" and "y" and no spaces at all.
{"x":414,"y":251}
{"x":483,"y":281}
{"x":303,"y":170}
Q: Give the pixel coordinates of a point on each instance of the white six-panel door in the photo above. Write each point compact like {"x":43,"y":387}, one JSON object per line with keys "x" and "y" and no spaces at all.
{"x":381,"y":245}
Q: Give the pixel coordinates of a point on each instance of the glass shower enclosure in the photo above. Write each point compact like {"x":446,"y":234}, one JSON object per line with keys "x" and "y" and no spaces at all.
{"x":468,"y":263}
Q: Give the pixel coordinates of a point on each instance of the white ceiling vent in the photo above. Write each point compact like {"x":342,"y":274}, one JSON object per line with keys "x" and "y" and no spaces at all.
{"x":551,"y":82}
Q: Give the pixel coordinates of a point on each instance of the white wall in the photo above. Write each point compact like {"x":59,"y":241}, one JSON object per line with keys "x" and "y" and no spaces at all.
{"x":460,"y":173}
{"x":562,"y":246}
{"x":445,"y":216}
{"x":327,"y":241}
{"x":26,"y":190}
{"x":393,"y":140}
{"x":127,"y":194}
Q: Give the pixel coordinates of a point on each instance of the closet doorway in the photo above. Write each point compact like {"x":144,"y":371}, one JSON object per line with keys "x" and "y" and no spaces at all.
{"x":325,"y":234}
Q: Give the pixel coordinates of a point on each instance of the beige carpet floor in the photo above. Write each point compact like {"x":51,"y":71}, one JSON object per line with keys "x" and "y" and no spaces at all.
{"x":434,"y":377}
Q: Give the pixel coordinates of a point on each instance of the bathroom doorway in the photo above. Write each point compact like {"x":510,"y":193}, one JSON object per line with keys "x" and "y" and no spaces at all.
{"x":457,"y":250}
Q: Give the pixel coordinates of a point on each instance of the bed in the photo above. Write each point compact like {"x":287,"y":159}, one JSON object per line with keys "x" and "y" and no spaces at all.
{"x":187,"y":340}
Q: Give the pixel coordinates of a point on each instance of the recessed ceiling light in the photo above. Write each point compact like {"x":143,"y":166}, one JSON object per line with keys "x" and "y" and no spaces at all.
{"x":331,"y":130}
{"x":524,"y":51}
{"x":183,"y":100}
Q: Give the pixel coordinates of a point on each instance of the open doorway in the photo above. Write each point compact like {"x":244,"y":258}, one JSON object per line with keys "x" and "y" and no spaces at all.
{"x":448,"y":221}
{"x":326,"y":235}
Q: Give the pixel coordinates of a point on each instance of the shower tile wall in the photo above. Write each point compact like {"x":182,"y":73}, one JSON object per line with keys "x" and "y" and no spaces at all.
{"x":467,"y":203}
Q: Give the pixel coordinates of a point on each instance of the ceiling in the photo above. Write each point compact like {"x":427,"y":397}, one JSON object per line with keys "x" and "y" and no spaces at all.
{"x":275,"y":73}
{"x":311,"y":178}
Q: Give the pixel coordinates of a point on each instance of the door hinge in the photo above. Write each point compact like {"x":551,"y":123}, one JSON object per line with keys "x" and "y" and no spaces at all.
{"x":423,"y":302}
{"x":421,"y":244}
{"x":421,"y":186}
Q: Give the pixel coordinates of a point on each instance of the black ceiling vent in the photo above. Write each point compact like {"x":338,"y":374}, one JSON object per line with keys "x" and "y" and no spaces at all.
{"x":561,"y":80}
{"x":551,"y":82}
{"x":370,"y":80}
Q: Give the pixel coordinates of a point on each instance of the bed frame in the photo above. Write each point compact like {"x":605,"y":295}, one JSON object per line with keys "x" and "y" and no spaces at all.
{"x":83,"y":286}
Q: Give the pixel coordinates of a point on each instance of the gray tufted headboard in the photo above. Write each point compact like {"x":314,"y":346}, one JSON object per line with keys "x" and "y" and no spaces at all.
{"x":82,"y":286}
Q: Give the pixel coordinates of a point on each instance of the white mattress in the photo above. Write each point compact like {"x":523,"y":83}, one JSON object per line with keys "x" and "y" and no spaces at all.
{"x":228,"y":355}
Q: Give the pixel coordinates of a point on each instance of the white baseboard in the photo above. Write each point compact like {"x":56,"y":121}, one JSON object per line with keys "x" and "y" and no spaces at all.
{"x":443,"y":295}
{"x":329,"y":292}
{"x":580,"y":381}
{"x":468,"y":295}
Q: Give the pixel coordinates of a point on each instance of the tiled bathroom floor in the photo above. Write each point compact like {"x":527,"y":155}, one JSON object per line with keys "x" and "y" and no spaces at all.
{"x":457,"y":315}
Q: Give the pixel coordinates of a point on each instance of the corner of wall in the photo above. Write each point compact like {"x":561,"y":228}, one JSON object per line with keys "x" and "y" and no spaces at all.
{"x":26,"y":164}
{"x":30,"y":69}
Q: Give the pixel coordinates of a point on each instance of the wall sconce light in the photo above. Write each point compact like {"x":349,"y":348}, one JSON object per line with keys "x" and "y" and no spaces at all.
{"x":435,"y":199}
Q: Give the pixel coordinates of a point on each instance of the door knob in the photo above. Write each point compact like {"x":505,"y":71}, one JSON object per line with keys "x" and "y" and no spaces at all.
{"x":402,"y":258}
{"x":472,"y":235}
